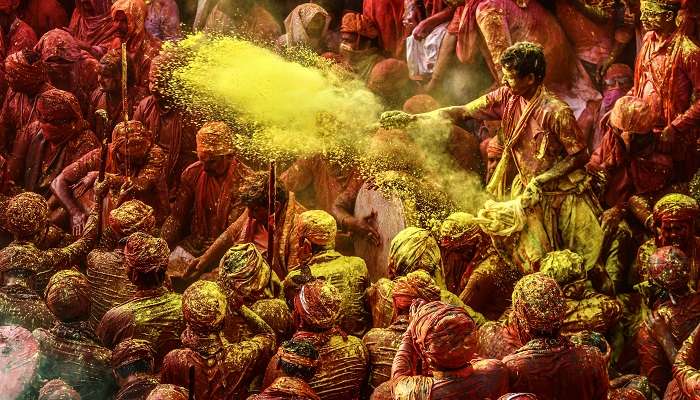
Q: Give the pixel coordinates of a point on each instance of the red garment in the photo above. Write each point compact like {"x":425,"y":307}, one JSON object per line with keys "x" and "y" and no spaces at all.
{"x":92,"y":22}
{"x":44,"y":15}
{"x":686,"y":382}
{"x":388,"y":15}
{"x":173,"y":131}
{"x":550,"y":368}
{"x":112,"y":103}
{"x":20,"y":36}
{"x":286,"y":388}
{"x":18,"y":112}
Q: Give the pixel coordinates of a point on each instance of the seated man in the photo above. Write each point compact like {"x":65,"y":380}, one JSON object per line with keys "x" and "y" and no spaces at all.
{"x":69,"y":350}
{"x":208,"y":196}
{"x":316,"y":233}
{"x":222,"y":371}
{"x":252,"y":227}
{"x":244,"y":275}
{"x":297,"y":359}
{"x":358,"y":46}
{"x":549,"y":365}
{"x":383,"y":343}
{"x":154,"y":313}
{"x":443,"y":338}
{"x":133,"y":368}
{"x":317,"y":311}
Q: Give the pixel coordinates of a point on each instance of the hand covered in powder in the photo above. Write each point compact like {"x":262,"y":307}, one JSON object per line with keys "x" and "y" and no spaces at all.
{"x":531,"y":195}
{"x":396,"y":119}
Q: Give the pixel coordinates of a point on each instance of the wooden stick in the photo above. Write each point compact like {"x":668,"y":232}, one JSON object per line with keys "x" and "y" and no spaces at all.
{"x":271,"y":225}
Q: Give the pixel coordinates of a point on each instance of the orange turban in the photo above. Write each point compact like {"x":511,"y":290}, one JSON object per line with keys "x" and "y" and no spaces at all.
{"x":318,"y":304}
{"x":131,"y":217}
{"x":68,"y":296}
{"x":675,"y":207}
{"x":420,"y":103}
{"x":145,"y":254}
{"x":214,"y":139}
{"x":359,"y":24}
{"x":538,"y":303}
{"x":632,"y":114}
{"x":26,"y":214}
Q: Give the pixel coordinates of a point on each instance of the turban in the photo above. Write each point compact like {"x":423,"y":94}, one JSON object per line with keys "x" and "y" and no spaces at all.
{"x":518,"y":396}
{"x":57,"y":389}
{"x":26,"y":214}
{"x":632,"y":114}
{"x":131,"y":350}
{"x":318,"y":227}
{"x":145,"y":254}
{"x":416,"y":285}
{"x":420,"y":103}
{"x":58,"y":43}
{"x":214,"y":139}
{"x":204,"y":306}
{"x":563,"y":266}
{"x":457,"y":230}
{"x":494,"y":149}
{"x":668,"y":267}
{"x":318,"y":304}
{"x":388,"y":76}
{"x":139,"y":139}
{"x":20,"y":257}
{"x":438,"y":331}
{"x":618,"y":70}
{"x":359,"y":24}
{"x":539,"y":303}
{"x":135,"y":11}
{"x":301,"y":353}
{"x":56,"y":104}
{"x":68,"y":296}
{"x":23,"y":71}
{"x":131,"y":217}
{"x":413,"y":249}
{"x":168,"y":392}
{"x":664,"y":5}
{"x":244,"y":271}
{"x":675,"y":207}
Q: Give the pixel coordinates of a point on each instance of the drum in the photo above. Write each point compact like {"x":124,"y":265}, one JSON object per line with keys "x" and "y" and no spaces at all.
{"x":19,"y":357}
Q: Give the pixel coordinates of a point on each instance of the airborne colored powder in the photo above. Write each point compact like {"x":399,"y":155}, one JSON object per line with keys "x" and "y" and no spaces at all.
{"x":301,"y":105}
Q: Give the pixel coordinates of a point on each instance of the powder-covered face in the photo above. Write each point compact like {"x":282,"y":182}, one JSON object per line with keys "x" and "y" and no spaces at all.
{"x":656,"y":18}
{"x":674,"y":232}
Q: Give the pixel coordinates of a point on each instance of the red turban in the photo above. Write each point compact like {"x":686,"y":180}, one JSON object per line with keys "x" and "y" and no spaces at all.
{"x":318,"y":305}
{"x":318,"y":227}
{"x":131,"y":139}
{"x":619,"y":70}
{"x":538,"y":304}
{"x":58,"y":43}
{"x":131,"y":350}
{"x":244,"y":271}
{"x":669,"y":268}
{"x":632,"y":114}
{"x":416,"y":285}
{"x":359,"y":24}
{"x":459,"y":229}
{"x":23,"y":71}
{"x":168,"y":392}
{"x":145,"y":254}
{"x":56,"y":104}
{"x":131,"y":217}
{"x":57,"y":389}
{"x":420,"y":103}
{"x":675,"y":207}
{"x":204,"y":306}
{"x":20,"y":257}
{"x":439,"y":332}
{"x":68,"y":296}
{"x":26,"y":214}
{"x":388,"y":77}
{"x":135,"y":11}
{"x":215,"y":139}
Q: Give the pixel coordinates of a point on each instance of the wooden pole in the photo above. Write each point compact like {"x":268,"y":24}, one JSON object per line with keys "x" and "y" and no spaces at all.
{"x":271,"y":225}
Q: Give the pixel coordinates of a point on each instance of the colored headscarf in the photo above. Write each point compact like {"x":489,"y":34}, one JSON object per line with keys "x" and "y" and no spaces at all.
{"x":244,"y":271}
{"x":359,"y":24}
{"x":26,"y":214}
{"x":318,"y":227}
{"x":297,"y":21}
{"x":318,"y":304}
{"x":58,"y":43}
{"x":675,"y":207}
{"x":135,"y":11}
{"x":619,"y":70}
{"x":215,"y":139}
{"x":139,"y":139}
{"x":420,"y":103}
{"x":145,"y":254}
{"x":415,"y":285}
{"x":518,"y":396}
{"x":168,"y":392}
{"x":20,"y":257}
{"x":56,"y":389}
{"x":458,"y":230}
{"x":131,"y":350}
{"x":131,"y":217}
{"x":632,"y":114}
{"x":538,"y":303}
{"x":413,"y":249}
{"x":438,"y":332}
{"x":55,"y":104}
{"x":388,"y":77}
{"x":669,"y":268}
{"x":68,"y":296}
{"x":23,"y":71}
{"x":204,"y":307}
{"x":563,"y":266}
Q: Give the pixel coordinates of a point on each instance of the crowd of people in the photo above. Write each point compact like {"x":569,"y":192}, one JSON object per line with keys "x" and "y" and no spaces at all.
{"x":143,"y":257}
